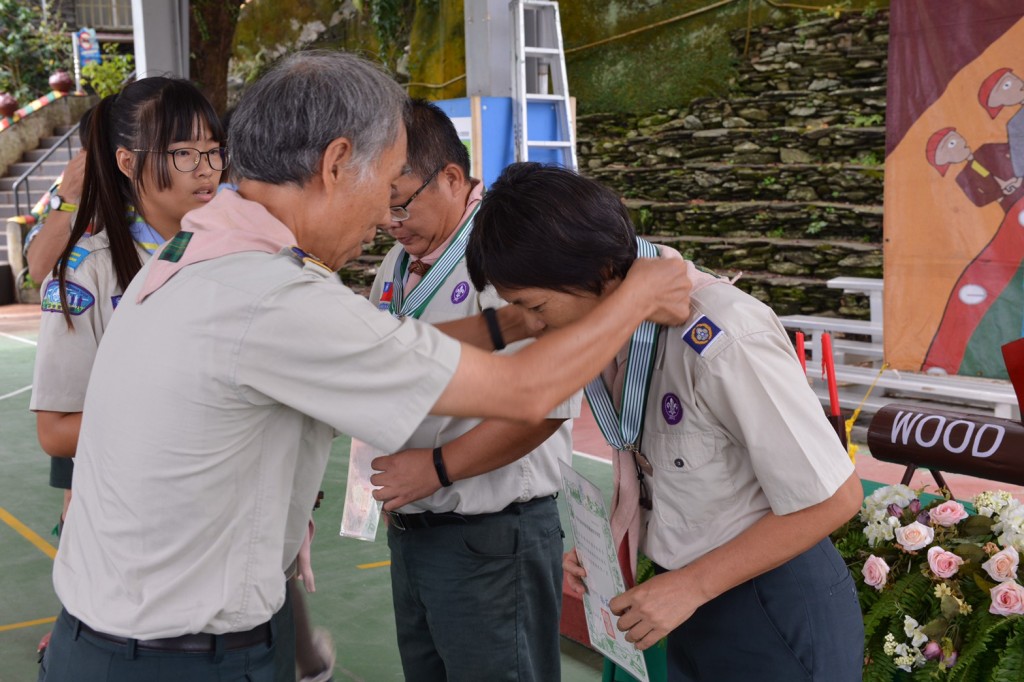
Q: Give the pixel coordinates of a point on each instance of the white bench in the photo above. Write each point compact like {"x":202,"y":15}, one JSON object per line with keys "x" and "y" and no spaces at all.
{"x":814,"y":325}
{"x":872,"y":288}
{"x":995,"y":395}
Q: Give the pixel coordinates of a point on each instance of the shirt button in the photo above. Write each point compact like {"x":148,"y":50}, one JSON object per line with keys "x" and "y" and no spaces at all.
{"x":679,"y":463}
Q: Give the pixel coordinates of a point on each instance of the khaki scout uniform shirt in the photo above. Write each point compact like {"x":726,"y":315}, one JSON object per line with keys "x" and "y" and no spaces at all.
{"x":64,"y":356}
{"x":187,"y":466}
{"x":534,"y":475}
{"x":731,"y":429}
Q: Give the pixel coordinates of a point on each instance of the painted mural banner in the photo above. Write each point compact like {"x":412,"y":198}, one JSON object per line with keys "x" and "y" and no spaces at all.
{"x":954,"y":186}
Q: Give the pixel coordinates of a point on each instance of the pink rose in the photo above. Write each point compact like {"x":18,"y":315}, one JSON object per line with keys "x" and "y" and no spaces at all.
{"x":915,"y":536}
{"x":1003,"y":565}
{"x":875,"y":572}
{"x":943,"y":564}
{"x":932,"y":650}
{"x":948,"y":513}
{"x":1007,"y":599}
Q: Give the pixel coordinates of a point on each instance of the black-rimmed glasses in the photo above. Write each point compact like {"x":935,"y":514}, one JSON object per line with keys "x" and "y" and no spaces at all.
{"x":401,"y":212}
{"x":186,"y":159}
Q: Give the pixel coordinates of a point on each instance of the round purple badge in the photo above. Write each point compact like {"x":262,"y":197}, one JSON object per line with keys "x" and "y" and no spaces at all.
{"x":461,"y":292}
{"x":671,"y":408}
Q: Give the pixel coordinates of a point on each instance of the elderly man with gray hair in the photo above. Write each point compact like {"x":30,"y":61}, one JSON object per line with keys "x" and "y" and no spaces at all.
{"x":237,"y":355}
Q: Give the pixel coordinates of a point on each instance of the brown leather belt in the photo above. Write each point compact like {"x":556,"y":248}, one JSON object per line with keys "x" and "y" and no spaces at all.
{"x":196,"y":643}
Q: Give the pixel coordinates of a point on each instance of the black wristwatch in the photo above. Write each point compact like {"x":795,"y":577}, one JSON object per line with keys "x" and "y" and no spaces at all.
{"x":57,"y":203}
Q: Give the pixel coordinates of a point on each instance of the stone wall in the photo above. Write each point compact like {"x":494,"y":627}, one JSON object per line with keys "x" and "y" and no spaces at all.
{"x":782,"y":180}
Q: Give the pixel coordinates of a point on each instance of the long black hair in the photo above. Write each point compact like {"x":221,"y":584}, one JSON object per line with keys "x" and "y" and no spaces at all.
{"x":149,"y":114}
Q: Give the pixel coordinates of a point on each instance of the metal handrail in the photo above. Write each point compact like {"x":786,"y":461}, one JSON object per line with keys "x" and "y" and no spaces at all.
{"x":23,"y":178}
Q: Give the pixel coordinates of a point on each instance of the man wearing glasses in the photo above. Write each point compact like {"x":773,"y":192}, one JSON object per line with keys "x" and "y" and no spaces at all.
{"x":264,"y":357}
{"x":475,"y":557}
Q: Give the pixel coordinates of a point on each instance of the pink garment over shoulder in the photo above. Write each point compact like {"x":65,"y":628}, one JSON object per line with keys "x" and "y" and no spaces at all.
{"x":228,"y":224}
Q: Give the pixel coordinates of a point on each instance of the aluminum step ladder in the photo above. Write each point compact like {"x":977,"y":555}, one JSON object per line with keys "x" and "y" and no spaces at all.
{"x":538,"y":67}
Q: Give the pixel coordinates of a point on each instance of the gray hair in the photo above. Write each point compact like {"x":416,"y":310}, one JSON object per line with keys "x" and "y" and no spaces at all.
{"x":285,"y":120}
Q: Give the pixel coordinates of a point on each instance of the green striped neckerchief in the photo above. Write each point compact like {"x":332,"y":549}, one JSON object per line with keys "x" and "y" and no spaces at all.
{"x":426,"y":288}
{"x":623,"y":430}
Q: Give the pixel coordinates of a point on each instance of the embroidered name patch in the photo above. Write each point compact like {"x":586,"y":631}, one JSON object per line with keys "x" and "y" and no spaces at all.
{"x":176,"y":247}
{"x":671,"y":408}
{"x":461,"y":292}
{"x":79,"y":298}
{"x":386,"y":295}
{"x":76,"y":257}
{"x":701,"y":334}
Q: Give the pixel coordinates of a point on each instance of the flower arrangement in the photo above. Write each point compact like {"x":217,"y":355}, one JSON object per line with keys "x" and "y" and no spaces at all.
{"x":940,"y":587}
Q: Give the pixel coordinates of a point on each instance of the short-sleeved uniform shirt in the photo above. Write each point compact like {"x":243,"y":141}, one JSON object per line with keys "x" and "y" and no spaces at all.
{"x":731,"y":429}
{"x":533,"y":475}
{"x":64,"y":357}
{"x":187,"y":467}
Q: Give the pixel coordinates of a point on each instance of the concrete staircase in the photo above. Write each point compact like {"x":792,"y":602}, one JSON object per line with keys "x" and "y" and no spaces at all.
{"x":38,"y":183}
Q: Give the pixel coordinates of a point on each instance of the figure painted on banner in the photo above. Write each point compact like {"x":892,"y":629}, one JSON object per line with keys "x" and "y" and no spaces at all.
{"x":476,"y":550}
{"x":1004,"y":88}
{"x":728,"y":476}
{"x":988,"y":175}
{"x":89,"y":273}
{"x":238,"y":354}
{"x":986,"y":305}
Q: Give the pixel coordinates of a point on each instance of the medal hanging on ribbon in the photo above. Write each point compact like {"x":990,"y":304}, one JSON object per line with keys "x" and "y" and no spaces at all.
{"x":622,"y":430}
{"x":424,"y":291}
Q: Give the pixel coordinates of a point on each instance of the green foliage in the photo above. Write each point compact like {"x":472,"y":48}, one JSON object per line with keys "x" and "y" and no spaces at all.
{"x":30,"y":50}
{"x":392,"y":21}
{"x":816,"y":226}
{"x":107,"y":77}
{"x":867,"y":159}
{"x":867,"y":121}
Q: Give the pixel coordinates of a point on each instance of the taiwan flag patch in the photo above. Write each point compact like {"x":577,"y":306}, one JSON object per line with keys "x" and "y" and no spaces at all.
{"x":385,"y":296}
{"x":701,"y":334}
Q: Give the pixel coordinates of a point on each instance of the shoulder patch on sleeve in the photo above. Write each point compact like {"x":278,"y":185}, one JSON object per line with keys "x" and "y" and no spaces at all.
{"x":701,"y":334}
{"x":78,"y":254}
{"x":80,"y":299}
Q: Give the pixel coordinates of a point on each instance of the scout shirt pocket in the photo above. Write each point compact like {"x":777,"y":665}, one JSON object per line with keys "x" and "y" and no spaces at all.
{"x":691,"y":478}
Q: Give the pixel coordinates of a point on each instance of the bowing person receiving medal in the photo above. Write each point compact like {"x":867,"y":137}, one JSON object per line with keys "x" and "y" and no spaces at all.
{"x":727,"y":473}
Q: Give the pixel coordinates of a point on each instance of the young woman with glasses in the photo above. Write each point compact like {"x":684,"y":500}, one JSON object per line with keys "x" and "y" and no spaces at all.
{"x":153,"y":152}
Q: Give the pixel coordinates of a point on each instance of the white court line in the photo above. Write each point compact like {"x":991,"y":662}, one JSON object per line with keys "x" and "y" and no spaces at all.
{"x":18,"y":338}
{"x":593,"y":458}
{"x":14,"y":393}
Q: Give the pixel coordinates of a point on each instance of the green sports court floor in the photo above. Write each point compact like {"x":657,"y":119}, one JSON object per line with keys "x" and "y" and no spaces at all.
{"x":353,"y":597}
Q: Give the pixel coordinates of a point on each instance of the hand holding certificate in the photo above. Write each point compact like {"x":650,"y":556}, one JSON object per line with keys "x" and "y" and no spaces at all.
{"x":596,"y":554}
{"x":361,"y":514}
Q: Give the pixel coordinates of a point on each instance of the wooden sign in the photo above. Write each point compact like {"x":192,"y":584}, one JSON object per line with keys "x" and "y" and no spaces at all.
{"x":953,"y":442}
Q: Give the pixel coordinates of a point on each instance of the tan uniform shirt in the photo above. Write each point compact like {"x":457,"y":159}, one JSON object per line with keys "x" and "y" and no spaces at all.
{"x":64,"y":357}
{"x":207,"y":427}
{"x":534,"y":475}
{"x":732,"y":430}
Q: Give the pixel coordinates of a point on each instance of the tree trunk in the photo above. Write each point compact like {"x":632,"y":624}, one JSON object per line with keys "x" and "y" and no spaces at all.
{"x":211,"y":34}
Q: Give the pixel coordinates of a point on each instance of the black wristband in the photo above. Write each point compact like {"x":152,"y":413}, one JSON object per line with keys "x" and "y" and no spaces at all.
{"x":491,"y":315}
{"x":442,"y":473}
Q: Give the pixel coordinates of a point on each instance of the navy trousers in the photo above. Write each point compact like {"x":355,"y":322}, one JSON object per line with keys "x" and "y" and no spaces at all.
{"x":800,"y":621}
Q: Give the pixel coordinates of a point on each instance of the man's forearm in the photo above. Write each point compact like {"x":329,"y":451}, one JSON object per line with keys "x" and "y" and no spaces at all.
{"x":494,"y":443}
{"x":474,"y":331}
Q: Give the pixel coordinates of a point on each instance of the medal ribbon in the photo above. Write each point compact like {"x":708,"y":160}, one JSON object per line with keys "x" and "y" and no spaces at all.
{"x":424,"y":291}
{"x":622,"y":431}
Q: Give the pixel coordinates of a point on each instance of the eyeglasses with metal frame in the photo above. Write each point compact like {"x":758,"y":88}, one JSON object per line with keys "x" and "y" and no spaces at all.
{"x":401,"y":212}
